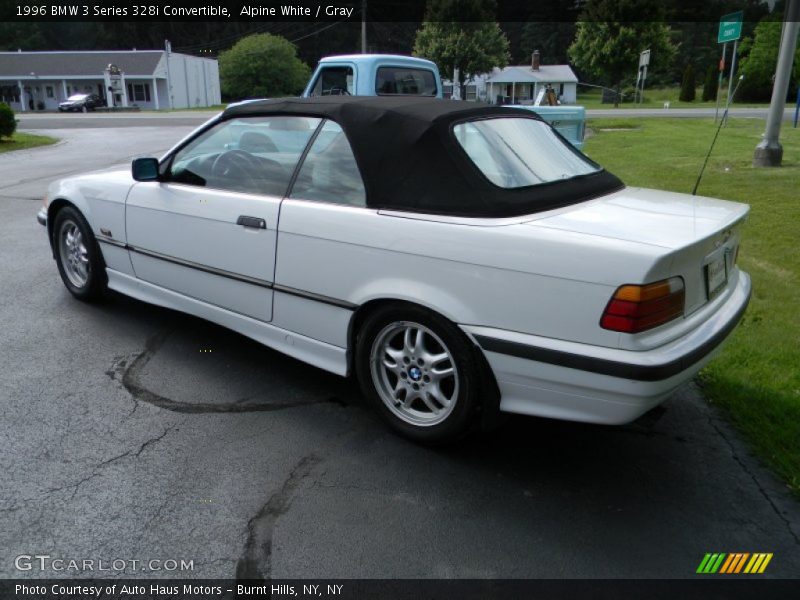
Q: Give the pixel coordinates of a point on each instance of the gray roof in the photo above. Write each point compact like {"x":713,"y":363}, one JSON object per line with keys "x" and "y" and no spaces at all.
{"x":72,"y":64}
{"x":524,"y":74}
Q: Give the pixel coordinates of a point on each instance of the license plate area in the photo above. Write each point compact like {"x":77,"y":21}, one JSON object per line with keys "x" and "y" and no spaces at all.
{"x":716,"y":276}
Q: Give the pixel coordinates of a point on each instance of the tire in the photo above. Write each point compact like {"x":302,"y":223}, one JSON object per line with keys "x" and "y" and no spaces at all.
{"x":78,"y":256}
{"x":405,"y":377}
{"x":84,"y":109}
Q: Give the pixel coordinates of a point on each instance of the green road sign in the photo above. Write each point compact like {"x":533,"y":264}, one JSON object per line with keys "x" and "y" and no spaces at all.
{"x":730,"y":28}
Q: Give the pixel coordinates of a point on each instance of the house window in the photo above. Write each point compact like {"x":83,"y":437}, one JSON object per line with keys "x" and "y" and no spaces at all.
{"x":472,"y":92}
{"x":9,"y":93}
{"x":49,"y":90}
{"x":139,"y":92}
{"x":447,"y":91}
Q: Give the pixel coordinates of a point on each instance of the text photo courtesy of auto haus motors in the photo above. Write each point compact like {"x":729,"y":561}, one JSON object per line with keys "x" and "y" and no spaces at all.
{"x":438,"y":246}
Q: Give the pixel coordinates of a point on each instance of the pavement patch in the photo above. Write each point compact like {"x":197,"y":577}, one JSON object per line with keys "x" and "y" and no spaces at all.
{"x":236,"y":375}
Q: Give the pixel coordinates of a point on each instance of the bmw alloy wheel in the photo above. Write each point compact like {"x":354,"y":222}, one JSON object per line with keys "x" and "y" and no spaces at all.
{"x":414,"y":373}
{"x":73,"y":253}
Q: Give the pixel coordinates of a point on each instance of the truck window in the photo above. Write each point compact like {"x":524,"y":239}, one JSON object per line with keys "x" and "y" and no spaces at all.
{"x":334,"y":81}
{"x":404,"y":81}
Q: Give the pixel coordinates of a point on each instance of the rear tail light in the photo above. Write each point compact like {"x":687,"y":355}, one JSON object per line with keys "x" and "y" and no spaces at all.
{"x":635,"y":308}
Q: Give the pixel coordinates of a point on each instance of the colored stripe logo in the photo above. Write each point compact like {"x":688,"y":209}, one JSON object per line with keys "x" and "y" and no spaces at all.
{"x":734,"y":563}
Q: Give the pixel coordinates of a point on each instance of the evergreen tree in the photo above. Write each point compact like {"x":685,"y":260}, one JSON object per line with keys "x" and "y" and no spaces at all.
{"x":710,"y":84}
{"x":688,"y":85}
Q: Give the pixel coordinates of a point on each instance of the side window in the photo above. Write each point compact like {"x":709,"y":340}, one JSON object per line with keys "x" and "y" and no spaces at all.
{"x":334,"y":81}
{"x":255,"y":155}
{"x":401,"y":81}
{"x":330,"y":173}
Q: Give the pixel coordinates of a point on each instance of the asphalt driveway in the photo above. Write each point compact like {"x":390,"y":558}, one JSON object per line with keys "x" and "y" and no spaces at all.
{"x":133,"y":432}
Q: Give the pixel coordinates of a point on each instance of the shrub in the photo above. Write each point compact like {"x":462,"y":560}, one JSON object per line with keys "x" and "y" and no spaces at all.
{"x":8,"y":124}
{"x":688,"y":85}
{"x":629,"y":94}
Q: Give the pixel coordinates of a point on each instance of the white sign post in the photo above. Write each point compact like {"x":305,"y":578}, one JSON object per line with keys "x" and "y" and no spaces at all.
{"x":730,"y":30}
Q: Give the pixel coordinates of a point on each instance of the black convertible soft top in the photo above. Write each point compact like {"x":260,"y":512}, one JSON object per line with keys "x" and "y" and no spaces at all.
{"x":410,"y":160}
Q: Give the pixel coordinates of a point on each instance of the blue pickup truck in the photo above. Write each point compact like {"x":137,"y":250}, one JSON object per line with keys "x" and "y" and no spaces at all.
{"x":392,"y":75}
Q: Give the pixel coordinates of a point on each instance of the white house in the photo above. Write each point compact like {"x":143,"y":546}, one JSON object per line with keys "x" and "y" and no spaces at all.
{"x":146,"y":78}
{"x":521,"y":84}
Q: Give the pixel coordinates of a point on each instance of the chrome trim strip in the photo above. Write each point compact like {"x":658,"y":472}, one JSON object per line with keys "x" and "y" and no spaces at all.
{"x":204,"y":268}
{"x":111,"y":242}
{"x":235,"y":276}
{"x":315,"y":297}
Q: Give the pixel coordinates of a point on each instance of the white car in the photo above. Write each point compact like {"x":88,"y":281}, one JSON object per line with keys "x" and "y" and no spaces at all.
{"x":457,"y":258}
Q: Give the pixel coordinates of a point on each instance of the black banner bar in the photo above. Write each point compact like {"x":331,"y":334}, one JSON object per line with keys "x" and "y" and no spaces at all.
{"x":341,"y":11}
{"x":711,"y":587}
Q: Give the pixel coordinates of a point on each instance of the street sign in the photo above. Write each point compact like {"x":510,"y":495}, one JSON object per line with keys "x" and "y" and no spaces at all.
{"x":730,"y":27}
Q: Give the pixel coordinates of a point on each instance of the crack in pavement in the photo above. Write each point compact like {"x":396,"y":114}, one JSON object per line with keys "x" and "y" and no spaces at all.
{"x":75,"y":486}
{"x":737,"y":458}
{"x":127,"y":370}
{"x":256,"y":561}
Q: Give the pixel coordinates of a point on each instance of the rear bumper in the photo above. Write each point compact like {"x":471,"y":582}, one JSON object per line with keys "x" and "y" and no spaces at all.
{"x":567,"y":380}
{"x":41,"y":216}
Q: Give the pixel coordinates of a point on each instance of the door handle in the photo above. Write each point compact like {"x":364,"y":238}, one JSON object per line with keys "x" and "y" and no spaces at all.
{"x":254,"y":222}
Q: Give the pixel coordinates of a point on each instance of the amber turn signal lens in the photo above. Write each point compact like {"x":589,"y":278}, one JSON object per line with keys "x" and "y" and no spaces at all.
{"x":635,"y":308}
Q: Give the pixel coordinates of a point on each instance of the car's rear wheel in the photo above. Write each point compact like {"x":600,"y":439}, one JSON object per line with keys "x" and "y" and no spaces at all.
{"x":420,"y":372}
{"x":78,"y":256}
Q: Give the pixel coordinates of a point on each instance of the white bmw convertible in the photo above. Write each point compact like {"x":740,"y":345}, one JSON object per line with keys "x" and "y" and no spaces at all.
{"x":458,"y":258}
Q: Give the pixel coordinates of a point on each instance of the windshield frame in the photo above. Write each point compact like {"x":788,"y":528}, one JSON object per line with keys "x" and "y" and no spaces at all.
{"x":474,"y":166}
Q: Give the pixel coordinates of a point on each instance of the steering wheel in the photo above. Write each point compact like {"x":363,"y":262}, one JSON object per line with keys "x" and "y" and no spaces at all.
{"x":235,"y":164}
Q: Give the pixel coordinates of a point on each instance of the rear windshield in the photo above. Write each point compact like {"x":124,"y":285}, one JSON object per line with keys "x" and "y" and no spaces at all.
{"x":403,"y":81}
{"x":518,"y":152}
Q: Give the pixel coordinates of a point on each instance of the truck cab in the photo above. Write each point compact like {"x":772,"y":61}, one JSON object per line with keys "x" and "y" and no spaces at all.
{"x":375,"y":75}
{"x":397,"y":75}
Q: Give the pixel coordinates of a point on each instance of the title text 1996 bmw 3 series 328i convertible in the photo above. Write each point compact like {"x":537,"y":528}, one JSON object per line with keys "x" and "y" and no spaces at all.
{"x":456,"y":257}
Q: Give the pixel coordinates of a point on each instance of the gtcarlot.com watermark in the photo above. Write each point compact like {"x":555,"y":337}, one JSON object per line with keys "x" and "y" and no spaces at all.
{"x":45,"y":563}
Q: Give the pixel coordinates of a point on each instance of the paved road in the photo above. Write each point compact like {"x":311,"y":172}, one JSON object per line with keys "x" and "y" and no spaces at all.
{"x":134,"y":432}
{"x":195,"y":118}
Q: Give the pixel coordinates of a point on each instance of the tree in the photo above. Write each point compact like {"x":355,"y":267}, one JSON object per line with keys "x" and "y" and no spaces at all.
{"x":612,"y":33}
{"x":262,"y":65}
{"x":8,"y":124}
{"x":551,"y":39}
{"x":710,"y":84}
{"x":688,"y":85}
{"x":760,"y":57}
{"x":459,"y":34}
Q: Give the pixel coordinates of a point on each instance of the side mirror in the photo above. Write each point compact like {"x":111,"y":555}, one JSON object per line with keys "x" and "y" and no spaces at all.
{"x":145,"y":169}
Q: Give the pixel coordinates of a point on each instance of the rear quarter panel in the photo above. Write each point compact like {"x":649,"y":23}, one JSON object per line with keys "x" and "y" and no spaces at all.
{"x":513,"y":277}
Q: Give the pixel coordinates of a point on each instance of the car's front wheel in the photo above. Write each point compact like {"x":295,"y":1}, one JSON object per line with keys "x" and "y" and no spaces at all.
{"x":78,"y":257}
{"x":420,"y":372}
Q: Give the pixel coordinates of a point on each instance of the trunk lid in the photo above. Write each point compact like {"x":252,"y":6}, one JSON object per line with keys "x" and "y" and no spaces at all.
{"x":699,"y":235}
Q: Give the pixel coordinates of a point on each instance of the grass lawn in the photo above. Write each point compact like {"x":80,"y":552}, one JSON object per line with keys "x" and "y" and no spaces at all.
{"x":23,"y":141}
{"x":655,"y":98}
{"x":756,"y":379}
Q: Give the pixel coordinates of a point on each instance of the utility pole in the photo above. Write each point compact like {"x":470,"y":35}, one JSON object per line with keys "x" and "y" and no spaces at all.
{"x":168,"y":52}
{"x":363,"y":26}
{"x":769,"y":152}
